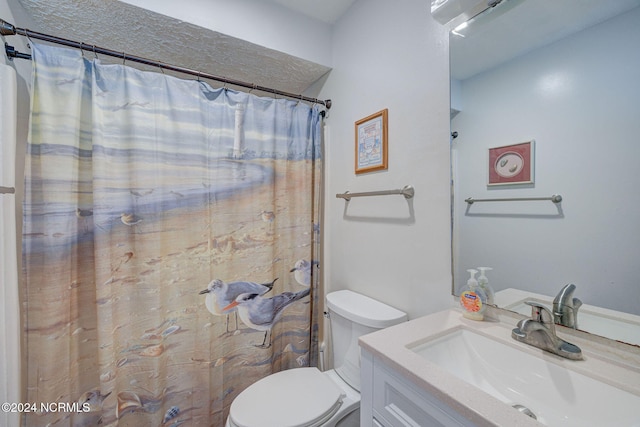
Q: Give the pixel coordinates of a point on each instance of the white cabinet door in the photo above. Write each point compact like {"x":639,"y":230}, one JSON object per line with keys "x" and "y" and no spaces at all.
{"x":396,"y":402}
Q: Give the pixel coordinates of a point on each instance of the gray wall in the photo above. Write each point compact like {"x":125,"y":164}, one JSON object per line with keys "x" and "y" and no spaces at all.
{"x":578,"y":99}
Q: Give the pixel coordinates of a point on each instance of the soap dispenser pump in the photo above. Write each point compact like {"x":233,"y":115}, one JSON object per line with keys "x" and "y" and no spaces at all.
{"x":483,"y":282}
{"x":473,"y":299}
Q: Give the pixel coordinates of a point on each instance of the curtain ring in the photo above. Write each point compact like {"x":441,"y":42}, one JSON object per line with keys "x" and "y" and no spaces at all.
{"x":124,"y":57}
{"x":160,"y":66}
{"x":94,"y":52}
{"x":82,"y":50}
{"x":198,"y":76}
{"x":26,"y":33}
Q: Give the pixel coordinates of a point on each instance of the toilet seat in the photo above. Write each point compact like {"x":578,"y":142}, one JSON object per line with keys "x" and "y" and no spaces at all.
{"x":301,"y":397}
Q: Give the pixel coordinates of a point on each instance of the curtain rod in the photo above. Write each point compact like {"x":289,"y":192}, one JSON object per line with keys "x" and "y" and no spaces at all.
{"x":7,"y":29}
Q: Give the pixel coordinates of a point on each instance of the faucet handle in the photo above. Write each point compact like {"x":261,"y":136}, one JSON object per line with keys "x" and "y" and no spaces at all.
{"x":576,"y":304}
{"x":541,"y":314}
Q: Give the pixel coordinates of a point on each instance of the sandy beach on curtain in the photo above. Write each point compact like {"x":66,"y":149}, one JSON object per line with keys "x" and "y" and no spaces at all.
{"x":161,"y":336}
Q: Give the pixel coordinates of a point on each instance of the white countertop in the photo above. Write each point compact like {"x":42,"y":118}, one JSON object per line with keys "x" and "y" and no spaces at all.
{"x":610,"y":364}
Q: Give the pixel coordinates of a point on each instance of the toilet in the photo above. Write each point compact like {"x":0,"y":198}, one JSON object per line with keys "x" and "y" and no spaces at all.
{"x":308,"y":397}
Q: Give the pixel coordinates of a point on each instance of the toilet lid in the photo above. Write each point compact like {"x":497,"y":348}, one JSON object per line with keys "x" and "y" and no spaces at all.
{"x":301,"y":397}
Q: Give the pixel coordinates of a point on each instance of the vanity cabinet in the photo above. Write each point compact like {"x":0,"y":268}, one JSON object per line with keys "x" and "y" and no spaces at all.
{"x":390,"y":400}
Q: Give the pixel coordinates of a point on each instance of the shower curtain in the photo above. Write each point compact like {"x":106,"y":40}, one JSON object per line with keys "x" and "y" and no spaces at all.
{"x":170,"y":244}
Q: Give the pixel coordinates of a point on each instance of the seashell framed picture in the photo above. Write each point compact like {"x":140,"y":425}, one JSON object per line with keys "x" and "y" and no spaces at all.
{"x":511,"y":164}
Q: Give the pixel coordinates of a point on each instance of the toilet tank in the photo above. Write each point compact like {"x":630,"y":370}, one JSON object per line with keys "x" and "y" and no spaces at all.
{"x":352,"y":315}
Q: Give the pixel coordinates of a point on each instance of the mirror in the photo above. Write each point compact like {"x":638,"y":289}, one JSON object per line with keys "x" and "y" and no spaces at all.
{"x":565,"y":75}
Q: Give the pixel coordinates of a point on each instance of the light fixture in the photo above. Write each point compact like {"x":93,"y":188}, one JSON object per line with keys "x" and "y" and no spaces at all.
{"x":453,"y":12}
{"x":463,"y":23}
{"x":459,"y":28}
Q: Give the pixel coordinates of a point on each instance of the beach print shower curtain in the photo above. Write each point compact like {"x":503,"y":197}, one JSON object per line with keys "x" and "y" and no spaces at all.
{"x":170,"y":244}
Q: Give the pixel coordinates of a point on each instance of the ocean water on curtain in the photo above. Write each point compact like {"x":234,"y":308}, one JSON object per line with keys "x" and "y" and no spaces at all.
{"x":170,"y":241}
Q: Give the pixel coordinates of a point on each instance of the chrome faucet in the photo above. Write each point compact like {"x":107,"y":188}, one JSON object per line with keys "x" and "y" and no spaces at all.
{"x":540,"y":331}
{"x":565,"y":307}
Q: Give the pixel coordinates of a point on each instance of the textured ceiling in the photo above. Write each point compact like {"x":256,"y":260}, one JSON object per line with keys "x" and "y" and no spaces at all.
{"x":121,"y":27}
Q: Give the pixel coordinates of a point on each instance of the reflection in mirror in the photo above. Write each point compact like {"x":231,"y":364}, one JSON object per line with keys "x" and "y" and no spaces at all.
{"x":564,"y":74}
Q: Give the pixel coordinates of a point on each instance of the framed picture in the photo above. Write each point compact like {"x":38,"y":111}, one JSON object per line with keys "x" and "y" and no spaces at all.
{"x":371,"y":142}
{"x":511,"y":164}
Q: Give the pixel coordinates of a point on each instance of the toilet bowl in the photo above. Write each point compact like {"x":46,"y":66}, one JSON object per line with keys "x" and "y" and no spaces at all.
{"x":308,"y":397}
{"x":295,"y":397}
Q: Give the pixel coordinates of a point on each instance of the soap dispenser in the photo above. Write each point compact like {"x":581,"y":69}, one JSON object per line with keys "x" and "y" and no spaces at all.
{"x":483,"y":282}
{"x":473,"y":299}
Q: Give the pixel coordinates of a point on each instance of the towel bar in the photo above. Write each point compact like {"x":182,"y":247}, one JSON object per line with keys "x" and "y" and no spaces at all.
{"x":407,"y":191}
{"x":556,"y":198}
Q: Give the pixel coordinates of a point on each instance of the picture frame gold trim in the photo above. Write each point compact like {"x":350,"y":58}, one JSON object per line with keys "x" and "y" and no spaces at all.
{"x":371,"y":143}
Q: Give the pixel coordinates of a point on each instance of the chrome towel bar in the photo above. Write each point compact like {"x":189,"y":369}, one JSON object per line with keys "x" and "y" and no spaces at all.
{"x":407,"y":191}
{"x":556,"y":198}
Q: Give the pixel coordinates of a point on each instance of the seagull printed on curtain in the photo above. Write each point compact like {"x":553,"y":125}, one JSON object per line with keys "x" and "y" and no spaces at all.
{"x":262,"y":313}
{"x":302,"y":271}
{"x":220,"y":294}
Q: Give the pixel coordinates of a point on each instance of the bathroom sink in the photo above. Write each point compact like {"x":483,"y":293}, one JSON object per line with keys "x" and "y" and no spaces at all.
{"x":544,"y":384}
{"x":608,"y":323}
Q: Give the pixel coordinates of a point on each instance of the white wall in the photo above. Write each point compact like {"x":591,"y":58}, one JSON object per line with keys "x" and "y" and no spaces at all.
{"x":578,"y":99}
{"x":257,"y":21}
{"x":10,"y":366}
{"x":390,"y":55}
